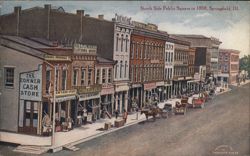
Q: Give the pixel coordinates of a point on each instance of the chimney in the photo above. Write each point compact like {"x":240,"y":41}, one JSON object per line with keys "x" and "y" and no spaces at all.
{"x":17,"y":11}
{"x":80,"y":12}
{"x":47,"y":6}
{"x":101,"y":17}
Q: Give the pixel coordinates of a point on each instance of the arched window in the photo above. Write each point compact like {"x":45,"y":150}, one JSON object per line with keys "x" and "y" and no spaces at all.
{"x":125,"y":69}
{"x":127,"y":41}
{"x":117,"y":40}
{"x":116,"y":69}
{"x":121,"y":69}
{"x":122,"y":43}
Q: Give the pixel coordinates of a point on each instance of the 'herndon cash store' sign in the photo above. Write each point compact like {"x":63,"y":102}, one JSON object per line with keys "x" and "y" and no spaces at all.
{"x":31,"y":85}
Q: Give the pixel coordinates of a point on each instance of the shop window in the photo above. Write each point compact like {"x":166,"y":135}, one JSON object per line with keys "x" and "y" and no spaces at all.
{"x":57,"y":79}
{"x":9,"y":76}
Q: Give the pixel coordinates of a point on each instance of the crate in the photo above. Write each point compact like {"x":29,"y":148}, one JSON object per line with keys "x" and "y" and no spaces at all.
{"x":119,"y":123}
{"x":107,"y":125}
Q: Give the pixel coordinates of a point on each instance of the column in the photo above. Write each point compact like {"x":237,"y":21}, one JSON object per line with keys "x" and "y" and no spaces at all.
{"x":126,"y":100}
{"x":112,"y":103}
{"x":116,"y":101}
{"x":121,"y":101}
{"x":142,"y":96}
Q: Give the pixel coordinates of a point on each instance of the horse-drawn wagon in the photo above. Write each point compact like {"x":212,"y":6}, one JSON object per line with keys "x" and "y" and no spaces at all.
{"x":180,"y":108}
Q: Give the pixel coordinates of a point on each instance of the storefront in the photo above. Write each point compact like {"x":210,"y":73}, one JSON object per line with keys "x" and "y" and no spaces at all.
{"x":160,"y":90}
{"x":135,"y":96}
{"x":88,"y":105}
{"x":30,"y":99}
{"x":107,"y":100}
{"x":149,"y":89}
{"x":121,"y":97}
{"x":167,"y":90}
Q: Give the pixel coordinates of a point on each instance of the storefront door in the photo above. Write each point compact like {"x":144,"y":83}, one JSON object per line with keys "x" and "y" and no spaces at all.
{"x":30,"y":117}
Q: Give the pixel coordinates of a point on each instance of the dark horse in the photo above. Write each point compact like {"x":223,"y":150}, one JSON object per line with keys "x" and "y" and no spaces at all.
{"x":151,"y":112}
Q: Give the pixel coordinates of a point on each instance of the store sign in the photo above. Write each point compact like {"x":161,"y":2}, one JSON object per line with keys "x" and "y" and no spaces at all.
{"x":160,"y":83}
{"x":65,"y":93}
{"x":123,"y":19}
{"x":89,"y":96}
{"x":88,"y":89}
{"x":31,"y":85}
{"x":84,"y":49}
{"x":149,"y":86}
{"x":106,"y":91}
{"x":57,"y":58}
{"x":197,"y":76}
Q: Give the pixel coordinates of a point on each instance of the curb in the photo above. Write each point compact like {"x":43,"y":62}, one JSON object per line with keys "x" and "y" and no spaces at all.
{"x":59,"y":148}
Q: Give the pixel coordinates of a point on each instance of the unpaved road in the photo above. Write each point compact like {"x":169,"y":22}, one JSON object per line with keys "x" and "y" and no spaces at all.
{"x":221,"y":128}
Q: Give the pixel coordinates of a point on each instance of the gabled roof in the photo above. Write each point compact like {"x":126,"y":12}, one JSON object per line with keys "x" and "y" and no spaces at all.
{"x":102,"y":60}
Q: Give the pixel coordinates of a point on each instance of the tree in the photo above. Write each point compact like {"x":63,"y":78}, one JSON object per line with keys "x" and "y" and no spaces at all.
{"x":245,"y":63}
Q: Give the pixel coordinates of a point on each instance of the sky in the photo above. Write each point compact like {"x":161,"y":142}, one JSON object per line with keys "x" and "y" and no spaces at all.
{"x":229,"y":21}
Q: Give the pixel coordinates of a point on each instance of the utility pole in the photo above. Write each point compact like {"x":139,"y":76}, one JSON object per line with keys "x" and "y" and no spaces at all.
{"x":54,"y":107}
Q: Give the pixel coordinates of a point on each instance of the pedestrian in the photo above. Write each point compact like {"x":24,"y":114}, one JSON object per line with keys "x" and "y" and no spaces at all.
{"x":125,"y":115}
{"x":116,"y":114}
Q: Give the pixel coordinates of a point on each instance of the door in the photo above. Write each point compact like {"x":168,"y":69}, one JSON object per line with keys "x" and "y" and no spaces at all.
{"x":30,"y":121}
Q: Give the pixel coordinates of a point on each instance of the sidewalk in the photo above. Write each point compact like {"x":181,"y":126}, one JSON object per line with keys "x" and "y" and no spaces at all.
{"x":241,"y":84}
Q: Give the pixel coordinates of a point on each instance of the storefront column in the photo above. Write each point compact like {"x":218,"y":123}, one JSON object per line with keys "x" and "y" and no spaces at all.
{"x":121,"y":101}
{"x":116,"y":101}
{"x":126,"y":100}
{"x":112,"y":103}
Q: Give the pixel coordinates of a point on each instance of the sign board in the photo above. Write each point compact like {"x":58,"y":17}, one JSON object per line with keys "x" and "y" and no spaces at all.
{"x":197,"y":76}
{"x":84,"y":49}
{"x":31,"y":85}
{"x":89,"y":117}
{"x":149,"y":86}
{"x":88,"y":89}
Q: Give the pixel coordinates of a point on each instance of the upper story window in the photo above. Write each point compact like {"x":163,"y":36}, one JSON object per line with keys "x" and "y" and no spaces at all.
{"x":109,"y":75}
{"x":127,"y":41}
{"x":141,"y":50}
{"x":104,"y":75}
{"x":117,"y":40}
{"x":75,"y":75}
{"x":89,"y":75}
{"x":121,"y":65}
{"x":83,"y":72}
{"x":137,"y":50}
{"x":132,"y":49}
{"x":98,"y":76}
{"x":57,"y":79}
{"x":64,"y":79}
{"x":9,"y":76}
{"x":122,"y":40}
{"x":226,"y":58}
{"x":125,"y":70}
{"x":116,"y":69}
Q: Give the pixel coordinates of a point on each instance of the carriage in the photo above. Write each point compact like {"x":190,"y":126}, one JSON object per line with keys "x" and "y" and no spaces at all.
{"x":181,"y":107}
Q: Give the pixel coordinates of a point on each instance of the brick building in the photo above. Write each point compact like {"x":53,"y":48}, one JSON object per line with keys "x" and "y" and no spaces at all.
{"x":228,"y":65}
{"x":206,"y":52}
{"x":146,"y":62}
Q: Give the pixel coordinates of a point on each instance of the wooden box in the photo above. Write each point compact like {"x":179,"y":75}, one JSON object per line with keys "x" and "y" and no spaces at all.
{"x":119,"y":123}
{"x":107,"y":125}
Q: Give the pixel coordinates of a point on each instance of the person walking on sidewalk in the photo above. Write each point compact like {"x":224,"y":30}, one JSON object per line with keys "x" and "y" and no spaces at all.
{"x":116,"y":114}
{"x":125,"y":115}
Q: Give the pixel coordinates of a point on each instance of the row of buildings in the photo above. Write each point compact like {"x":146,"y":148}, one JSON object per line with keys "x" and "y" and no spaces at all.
{"x":96,"y":65}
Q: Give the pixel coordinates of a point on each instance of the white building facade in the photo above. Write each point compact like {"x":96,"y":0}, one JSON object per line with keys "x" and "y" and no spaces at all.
{"x":122,"y":32}
{"x":169,"y":69}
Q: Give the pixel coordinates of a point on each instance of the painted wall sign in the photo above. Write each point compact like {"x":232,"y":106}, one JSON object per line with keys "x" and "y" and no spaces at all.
{"x":84,"y":49}
{"x":149,"y":86}
{"x":31,"y":85}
